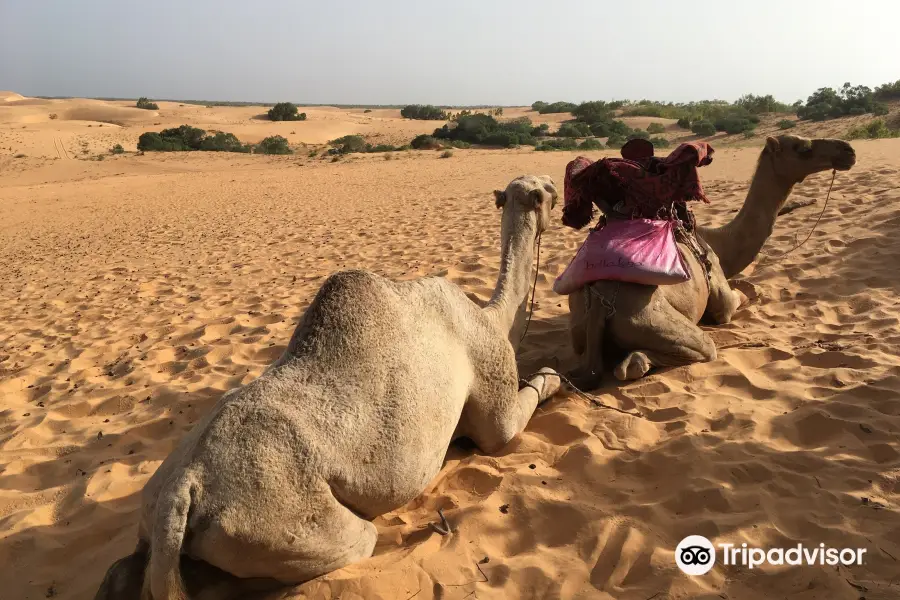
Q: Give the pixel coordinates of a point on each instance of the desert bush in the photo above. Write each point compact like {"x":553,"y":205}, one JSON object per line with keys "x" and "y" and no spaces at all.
{"x":734,"y":125}
{"x":285,"y":111}
{"x":592,"y":112}
{"x":786,"y":124}
{"x":880,"y":109}
{"x":576,"y":130}
{"x":223,"y":142}
{"x":424,"y":112}
{"x":637,"y":134}
{"x":388,"y":157}
{"x":660,"y":142}
{"x":616,"y":140}
{"x":312,"y":153}
{"x":758,"y":105}
{"x":144,"y":102}
{"x":888,"y":91}
{"x":557,"y":144}
{"x":703,"y":128}
{"x":656,"y":128}
{"x":537,"y":106}
{"x":151,"y":141}
{"x":749,"y":134}
{"x":53,"y":116}
{"x":368,"y":110}
{"x":827,"y":103}
{"x":349,"y":143}
{"x":19,"y":156}
{"x":874,"y":130}
{"x":484,"y":129}
{"x":274,"y":144}
{"x":591,"y":144}
{"x":557,"y":107}
{"x":684,"y":123}
{"x":117,"y":149}
{"x":446,"y":153}
{"x":541,"y":130}
{"x":177,"y":139}
{"x":426,"y":142}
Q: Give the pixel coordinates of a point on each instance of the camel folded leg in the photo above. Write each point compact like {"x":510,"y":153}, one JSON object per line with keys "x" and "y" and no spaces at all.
{"x":665,"y":338}
{"x":495,"y":418}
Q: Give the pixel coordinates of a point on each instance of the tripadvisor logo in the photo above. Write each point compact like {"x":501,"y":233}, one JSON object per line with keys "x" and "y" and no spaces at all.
{"x":696,"y":555}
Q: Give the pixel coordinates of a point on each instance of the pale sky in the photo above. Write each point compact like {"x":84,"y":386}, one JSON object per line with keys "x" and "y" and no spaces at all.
{"x":464,"y":52}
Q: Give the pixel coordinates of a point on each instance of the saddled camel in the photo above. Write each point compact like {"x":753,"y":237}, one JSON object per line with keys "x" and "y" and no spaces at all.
{"x":657,"y":325}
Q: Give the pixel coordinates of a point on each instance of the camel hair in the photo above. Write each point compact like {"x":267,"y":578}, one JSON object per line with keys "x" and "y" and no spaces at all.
{"x":279,"y":482}
{"x":656,"y":326}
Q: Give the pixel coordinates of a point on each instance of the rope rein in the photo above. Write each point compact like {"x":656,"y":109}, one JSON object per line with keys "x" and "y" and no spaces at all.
{"x":537,"y":270}
{"x":593,"y":399}
{"x":816,"y":224}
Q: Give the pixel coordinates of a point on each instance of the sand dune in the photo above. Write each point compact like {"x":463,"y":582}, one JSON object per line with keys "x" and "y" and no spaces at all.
{"x":137,"y":289}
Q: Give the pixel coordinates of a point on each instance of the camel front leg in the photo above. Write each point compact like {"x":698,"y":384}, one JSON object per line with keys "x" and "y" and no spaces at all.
{"x":589,"y":374}
{"x":663,"y":337}
{"x":495,"y":419}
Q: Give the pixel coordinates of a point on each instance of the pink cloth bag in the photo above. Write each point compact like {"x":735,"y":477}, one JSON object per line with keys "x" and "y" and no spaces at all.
{"x":636,"y":250}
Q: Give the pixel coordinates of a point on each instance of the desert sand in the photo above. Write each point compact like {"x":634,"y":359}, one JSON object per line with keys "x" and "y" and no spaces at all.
{"x":135,"y":290}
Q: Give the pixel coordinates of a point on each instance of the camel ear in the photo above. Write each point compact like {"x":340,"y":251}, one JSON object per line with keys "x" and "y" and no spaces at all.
{"x":773,"y":145}
{"x":499,"y":198}
{"x":536,"y":197}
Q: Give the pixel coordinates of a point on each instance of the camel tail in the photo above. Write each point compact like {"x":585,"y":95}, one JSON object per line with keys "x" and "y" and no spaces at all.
{"x":163,"y":579}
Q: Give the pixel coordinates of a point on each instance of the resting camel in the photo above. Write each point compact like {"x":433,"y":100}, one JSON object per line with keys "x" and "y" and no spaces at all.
{"x":657,"y":325}
{"x":279,"y":482}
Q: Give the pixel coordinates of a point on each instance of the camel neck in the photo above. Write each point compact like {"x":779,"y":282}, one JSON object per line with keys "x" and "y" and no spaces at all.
{"x":507,"y":304}
{"x":738,"y":242}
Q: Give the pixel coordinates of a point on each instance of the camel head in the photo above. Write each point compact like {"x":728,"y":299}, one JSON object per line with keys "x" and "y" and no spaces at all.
{"x":794,"y":158}
{"x":529,"y":194}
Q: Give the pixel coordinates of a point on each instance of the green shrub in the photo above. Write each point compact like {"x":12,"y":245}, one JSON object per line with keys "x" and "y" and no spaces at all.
{"x":749,"y":134}
{"x":503,"y":139}
{"x":117,"y":149}
{"x":285,"y":111}
{"x":593,"y":112}
{"x":590,"y":144}
{"x":368,"y":110}
{"x":424,"y":112}
{"x":176,"y":139}
{"x":145,"y":103}
{"x":576,"y":130}
{"x":459,"y":144}
{"x":880,"y":109}
{"x":786,"y":124}
{"x":616,"y":140}
{"x":274,"y":144}
{"x":557,"y":144}
{"x":874,"y":130}
{"x":537,"y":106}
{"x":684,"y":123}
{"x":660,"y":142}
{"x":637,"y":134}
{"x":223,"y":142}
{"x":656,"y":128}
{"x":888,"y":91}
{"x":828,"y":103}
{"x":349,"y":143}
{"x":484,"y":129}
{"x":758,"y":105}
{"x":426,"y":142}
{"x":703,"y":128}
{"x":446,"y":153}
{"x":734,"y":125}
{"x":556,"y":107}
{"x":541,"y":130}
{"x":601,"y":129}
